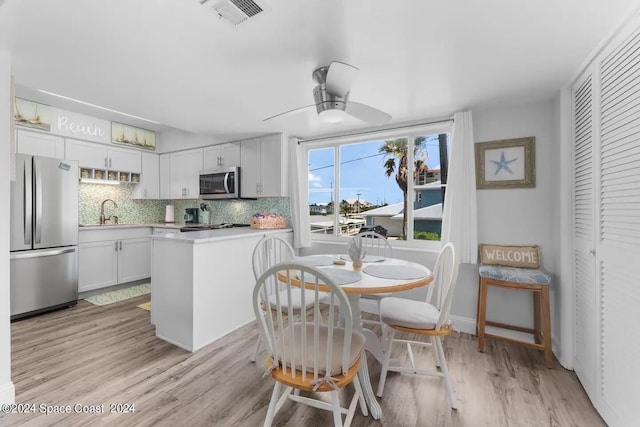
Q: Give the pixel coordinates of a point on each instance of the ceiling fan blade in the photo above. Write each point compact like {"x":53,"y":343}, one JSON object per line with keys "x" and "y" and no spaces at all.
{"x":366,"y":113}
{"x":295,"y":110}
{"x":340,"y":78}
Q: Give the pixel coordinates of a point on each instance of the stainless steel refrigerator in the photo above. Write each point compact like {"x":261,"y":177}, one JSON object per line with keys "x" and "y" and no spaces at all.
{"x":44,"y":235}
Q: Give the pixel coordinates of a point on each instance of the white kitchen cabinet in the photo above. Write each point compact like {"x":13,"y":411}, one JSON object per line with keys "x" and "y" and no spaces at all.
{"x":134,"y":259}
{"x":113,"y":256}
{"x":180,"y":174}
{"x":123,"y":159}
{"x":273,"y":167}
{"x":149,"y":185}
{"x":187,"y":281}
{"x":193,"y":166}
{"x":87,"y":154}
{"x":177,"y":175}
{"x":263,"y":167}
{"x":222,"y":156}
{"x":250,"y":168}
{"x":165,"y":176}
{"x":97,"y":265}
{"x":39,"y":144}
{"x":99,"y":156}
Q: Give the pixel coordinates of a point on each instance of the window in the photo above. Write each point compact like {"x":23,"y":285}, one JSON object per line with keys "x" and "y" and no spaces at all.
{"x":363,"y":183}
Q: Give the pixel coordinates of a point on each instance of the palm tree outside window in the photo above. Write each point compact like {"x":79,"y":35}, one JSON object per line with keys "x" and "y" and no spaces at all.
{"x":395,"y":183}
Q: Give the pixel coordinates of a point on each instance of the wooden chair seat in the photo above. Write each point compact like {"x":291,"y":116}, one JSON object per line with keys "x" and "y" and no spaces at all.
{"x":442,"y":332}
{"x":296,"y":381}
{"x":521,"y":279}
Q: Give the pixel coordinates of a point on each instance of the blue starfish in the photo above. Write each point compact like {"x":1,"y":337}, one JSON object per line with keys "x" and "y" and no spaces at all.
{"x":503,"y":164}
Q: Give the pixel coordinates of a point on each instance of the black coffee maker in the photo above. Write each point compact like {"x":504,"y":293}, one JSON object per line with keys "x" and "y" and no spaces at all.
{"x":191,"y":216}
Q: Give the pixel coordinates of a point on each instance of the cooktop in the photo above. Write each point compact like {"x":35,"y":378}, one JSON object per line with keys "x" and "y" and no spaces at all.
{"x":200,"y":227}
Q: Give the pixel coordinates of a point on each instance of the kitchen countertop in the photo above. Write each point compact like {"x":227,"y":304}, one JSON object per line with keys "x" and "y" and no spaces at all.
{"x":146,"y":224}
{"x":201,"y":236}
{"x":204,"y":236}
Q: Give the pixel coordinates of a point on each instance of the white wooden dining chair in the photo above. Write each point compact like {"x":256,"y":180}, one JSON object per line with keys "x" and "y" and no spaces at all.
{"x":376,"y":245}
{"x":268,"y":252}
{"x":306,"y":353}
{"x":425,"y":319}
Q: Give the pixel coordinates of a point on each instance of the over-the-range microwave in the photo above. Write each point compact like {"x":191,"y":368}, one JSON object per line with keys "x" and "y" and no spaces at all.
{"x":220,"y":183}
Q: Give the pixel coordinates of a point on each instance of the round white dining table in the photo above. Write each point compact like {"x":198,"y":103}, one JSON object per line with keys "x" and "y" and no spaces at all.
{"x":391,"y":275}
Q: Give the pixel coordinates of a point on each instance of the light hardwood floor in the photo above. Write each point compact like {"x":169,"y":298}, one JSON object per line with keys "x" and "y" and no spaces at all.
{"x":106,"y":355}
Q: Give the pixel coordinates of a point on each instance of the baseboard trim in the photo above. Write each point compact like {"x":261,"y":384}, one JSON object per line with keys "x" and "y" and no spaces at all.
{"x":468,"y":326}
{"x":7,"y":393}
{"x":464,"y":324}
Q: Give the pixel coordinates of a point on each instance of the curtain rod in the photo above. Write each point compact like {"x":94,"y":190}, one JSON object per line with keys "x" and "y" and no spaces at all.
{"x":324,"y":138}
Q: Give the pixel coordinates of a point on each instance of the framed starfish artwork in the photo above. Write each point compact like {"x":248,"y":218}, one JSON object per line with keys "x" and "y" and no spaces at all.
{"x":508,"y":163}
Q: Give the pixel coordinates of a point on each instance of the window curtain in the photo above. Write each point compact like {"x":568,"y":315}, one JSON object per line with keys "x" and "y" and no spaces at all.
{"x":460,"y":219}
{"x":298,"y":193}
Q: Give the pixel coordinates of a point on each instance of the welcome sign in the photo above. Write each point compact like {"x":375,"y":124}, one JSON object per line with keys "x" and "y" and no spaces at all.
{"x":510,"y":256}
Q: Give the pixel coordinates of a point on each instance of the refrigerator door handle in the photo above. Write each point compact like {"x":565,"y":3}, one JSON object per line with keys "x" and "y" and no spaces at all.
{"x":38,"y":200}
{"x":28,"y":205}
{"x":38,"y":254}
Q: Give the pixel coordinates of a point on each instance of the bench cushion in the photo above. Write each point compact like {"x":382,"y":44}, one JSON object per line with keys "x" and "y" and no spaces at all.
{"x":517,"y":275}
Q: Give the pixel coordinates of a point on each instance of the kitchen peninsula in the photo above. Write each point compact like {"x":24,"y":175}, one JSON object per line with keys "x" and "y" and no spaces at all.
{"x":202,"y":282}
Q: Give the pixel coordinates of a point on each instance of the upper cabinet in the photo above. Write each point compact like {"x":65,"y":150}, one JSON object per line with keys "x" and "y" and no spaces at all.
{"x":39,"y":144}
{"x":263,"y":167}
{"x":98,"y":156}
{"x":88,"y":154}
{"x":149,"y":186}
{"x":222,"y":156}
{"x":123,"y":159}
{"x":180,"y":174}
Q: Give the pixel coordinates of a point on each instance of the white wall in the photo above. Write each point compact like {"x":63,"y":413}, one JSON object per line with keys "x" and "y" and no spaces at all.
{"x":518,"y":217}
{"x":563,"y":291}
{"x":522,"y":216}
{"x":7,"y":392}
{"x":174,"y":140}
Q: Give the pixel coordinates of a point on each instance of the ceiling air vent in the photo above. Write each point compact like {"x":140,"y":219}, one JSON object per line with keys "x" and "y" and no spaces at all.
{"x":236,"y":11}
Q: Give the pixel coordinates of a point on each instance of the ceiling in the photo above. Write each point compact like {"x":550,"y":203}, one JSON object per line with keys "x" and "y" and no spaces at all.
{"x":176,"y":62}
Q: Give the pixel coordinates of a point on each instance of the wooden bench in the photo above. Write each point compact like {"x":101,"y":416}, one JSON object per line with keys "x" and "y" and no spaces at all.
{"x":521,"y":279}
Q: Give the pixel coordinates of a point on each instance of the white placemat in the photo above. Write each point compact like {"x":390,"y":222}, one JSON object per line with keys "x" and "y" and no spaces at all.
{"x":398,"y":272}
{"x":367,"y":258}
{"x":315,"y":260}
{"x":341,"y":276}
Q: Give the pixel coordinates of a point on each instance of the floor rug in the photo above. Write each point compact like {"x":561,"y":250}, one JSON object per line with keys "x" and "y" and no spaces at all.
{"x":120,"y":294}
{"x":146,"y":306}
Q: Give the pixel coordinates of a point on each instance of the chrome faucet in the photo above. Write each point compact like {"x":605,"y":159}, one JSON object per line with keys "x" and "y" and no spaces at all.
{"x":103,"y":220}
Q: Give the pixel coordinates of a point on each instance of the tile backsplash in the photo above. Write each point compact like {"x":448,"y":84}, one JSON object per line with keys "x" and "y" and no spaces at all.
{"x":130,"y":210}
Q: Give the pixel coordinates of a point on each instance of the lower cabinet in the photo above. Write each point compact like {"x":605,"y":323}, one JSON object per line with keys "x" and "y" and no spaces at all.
{"x":134,"y":259}
{"x":113,"y":256}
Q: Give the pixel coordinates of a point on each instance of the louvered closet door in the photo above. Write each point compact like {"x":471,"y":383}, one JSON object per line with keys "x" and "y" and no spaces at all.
{"x":618,"y":250}
{"x":585,"y":361}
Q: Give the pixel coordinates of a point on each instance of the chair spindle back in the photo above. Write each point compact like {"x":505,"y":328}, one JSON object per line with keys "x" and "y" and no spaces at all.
{"x":303,"y":346}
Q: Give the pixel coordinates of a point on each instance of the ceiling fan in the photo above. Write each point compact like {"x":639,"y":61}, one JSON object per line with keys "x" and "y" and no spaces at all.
{"x":331,"y":97}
